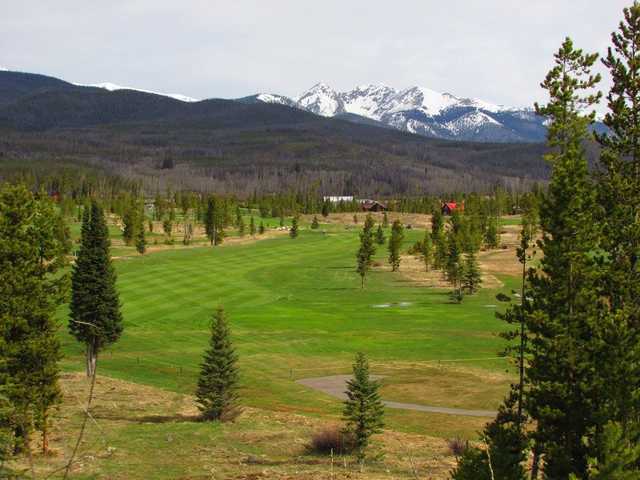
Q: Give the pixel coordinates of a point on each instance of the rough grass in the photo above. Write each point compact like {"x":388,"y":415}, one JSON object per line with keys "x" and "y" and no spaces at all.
{"x":140,"y":432}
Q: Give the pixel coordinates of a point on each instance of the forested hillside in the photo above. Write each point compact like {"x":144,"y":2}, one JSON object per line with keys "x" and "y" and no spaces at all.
{"x":236,"y":147}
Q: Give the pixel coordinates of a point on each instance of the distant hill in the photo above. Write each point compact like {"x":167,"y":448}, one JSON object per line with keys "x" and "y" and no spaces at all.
{"x":246,"y":145}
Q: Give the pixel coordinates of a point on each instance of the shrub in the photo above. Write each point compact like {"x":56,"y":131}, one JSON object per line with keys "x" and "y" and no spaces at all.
{"x":332,"y":438}
{"x":457,"y":446}
{"x":502,"y":297}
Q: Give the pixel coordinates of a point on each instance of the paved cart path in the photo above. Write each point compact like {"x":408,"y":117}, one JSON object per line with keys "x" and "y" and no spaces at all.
{"x":336,"y":385}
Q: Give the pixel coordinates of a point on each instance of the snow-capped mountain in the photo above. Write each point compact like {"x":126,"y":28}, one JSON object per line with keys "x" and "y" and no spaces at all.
{"x":421,"y":111}
{"x":113,"y":87}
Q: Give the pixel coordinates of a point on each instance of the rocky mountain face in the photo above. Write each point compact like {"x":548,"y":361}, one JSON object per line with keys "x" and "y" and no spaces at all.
{"x":421,"y":111}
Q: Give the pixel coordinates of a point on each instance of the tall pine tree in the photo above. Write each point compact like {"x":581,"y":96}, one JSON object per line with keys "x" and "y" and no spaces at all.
{"x":563,"y":388}
{"x":395,"y":244}
{"x":363,"y":410}
{"x":95,"y":317}
{"x":33,"y":247}
{"x":218,"y":383}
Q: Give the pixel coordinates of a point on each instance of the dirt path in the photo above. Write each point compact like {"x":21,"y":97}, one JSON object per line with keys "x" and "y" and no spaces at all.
{"x":335,"y":386}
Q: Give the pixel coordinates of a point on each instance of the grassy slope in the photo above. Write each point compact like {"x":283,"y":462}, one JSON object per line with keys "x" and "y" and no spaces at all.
{"x":296,"y":310}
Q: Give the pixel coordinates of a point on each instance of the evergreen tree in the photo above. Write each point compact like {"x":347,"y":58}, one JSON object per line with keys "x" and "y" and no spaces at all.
{"x":293,"y":233}
{"x":367,"y":249}
{"x":261,"y":228}
{"x":141,"y":241}
{"x":314,"y":223}
{"x":33,"y":247}
{"x":619,"y":455}
{"x":427,"y":251}
{"x":239,"y":220}
{"x":504,"y":454}
{"x":491,"y":237}
{"x":380,"y":239}
{"x":471,"y":277}
{"x":252,"y":226}
{"x":218,"y":382}
{"x":619,"y":197}
{"x":241,"y":226}
{"x":385,"y":220}
{"x":129,"y":226}
{"x":564,"y":390}
{"x":95,"y":317}
{"x":363,"y":410}
{"x":325,"y":208}
{"x":395,"y":243}
{"x":210,"y":220}
{"x":454,"y":267}
{"x":167,"y":228}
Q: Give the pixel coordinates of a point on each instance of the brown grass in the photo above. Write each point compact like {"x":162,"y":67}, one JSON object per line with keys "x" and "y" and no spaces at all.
{"x":140,"y":432}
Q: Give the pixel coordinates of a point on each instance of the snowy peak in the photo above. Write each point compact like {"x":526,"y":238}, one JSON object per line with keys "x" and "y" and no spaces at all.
{"x":421,"y":111}
{"x":112,"y":87}
{"x":321,"y":99}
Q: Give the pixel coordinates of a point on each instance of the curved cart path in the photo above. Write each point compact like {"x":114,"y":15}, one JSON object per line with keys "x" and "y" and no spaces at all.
{"x":335,"y":385}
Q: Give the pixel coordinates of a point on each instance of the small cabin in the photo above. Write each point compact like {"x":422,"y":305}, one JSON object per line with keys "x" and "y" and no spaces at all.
{"x":449,"y":207}
{"x":372,"y":206}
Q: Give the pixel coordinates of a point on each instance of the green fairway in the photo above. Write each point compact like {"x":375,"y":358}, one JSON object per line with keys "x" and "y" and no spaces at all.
{"x":296,"y":310}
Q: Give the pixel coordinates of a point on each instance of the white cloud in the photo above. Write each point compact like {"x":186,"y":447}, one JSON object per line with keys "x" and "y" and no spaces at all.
{"x":498,"y":50}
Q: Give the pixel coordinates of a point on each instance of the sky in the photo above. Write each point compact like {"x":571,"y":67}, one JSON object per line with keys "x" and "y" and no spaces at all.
{"x":495,"y":50}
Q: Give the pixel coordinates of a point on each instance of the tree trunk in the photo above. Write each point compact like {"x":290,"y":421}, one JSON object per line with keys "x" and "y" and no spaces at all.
{"x":535,"y":464}
{"x":92,"y":358}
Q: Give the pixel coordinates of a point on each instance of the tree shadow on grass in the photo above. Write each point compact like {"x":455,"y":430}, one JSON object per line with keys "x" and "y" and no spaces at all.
{"x":133,"y":418}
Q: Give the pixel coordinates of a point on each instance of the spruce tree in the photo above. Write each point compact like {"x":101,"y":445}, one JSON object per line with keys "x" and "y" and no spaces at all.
{"x":95,"y":317}
{"x":261,"y":228}
{"x":367,"y":249}
{"x":380,"y":239}
{"x":325,"y":208}
{"x":141,"y":241}
{"x":491,"y":237}
{"x":252,"y":226}
{"x":167,"y":228}
{"x":314,"y":223}
{"x":129,"y":226}
{"x":218,"y":382}
{"x":395,"y":244}
{"x":210,"y":220}
{"x":293,"y":233}
{"x":619,"y":197}
{"x":563,"y":386}
{"x":363,"y":410}
{"x":454,"y":267}
{"x":471,"y":276}
{"x":241,"y":226}
{"x":427,"y":251}
{"x":33,"y":247}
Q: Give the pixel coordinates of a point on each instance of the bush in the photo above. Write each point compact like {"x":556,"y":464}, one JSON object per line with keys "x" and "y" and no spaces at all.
{"x":330,"y":439}
{"x":501,"y":297}
{"x":457,"y":446}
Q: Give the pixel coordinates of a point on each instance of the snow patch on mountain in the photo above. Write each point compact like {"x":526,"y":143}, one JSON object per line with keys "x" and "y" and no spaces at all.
{"x":423,"y":111}
{"x":112,"y":87}
{"x":321,"y":99}
{"x":471,"y":121}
